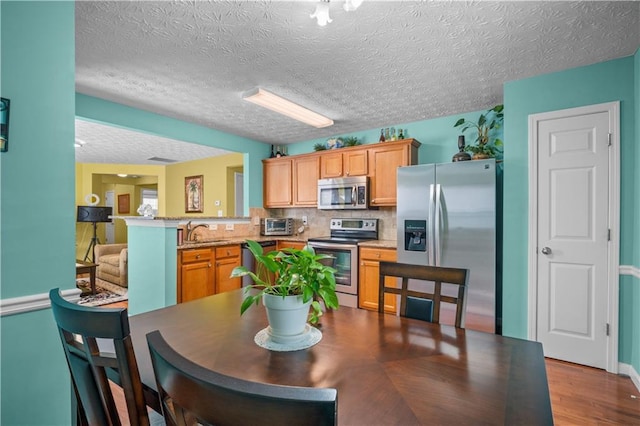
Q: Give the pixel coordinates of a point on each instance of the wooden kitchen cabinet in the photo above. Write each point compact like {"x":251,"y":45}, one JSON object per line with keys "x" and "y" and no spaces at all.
{"x":344,"y":164}
{"x":277,"y":178}
{"x":282,"y":244}
{"x":369,"y":281}
{"x":291,"y":181}
{"x":227,"y":258}
{"x":195,"y":274}
{"x":384,"y":160}
{"x":306,"y":172}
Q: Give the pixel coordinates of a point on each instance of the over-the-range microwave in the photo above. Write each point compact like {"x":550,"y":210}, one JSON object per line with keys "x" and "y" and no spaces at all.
{"x":343,"y":193}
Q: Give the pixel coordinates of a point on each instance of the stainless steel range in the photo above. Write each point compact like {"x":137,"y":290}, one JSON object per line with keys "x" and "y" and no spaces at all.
{"x":342,"y":245}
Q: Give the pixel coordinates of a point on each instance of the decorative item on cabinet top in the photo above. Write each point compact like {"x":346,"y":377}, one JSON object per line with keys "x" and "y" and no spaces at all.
{"x":339,"y":142}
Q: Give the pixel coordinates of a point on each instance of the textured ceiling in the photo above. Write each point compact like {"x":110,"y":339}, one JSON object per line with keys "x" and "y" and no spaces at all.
{"x":387,"y":63}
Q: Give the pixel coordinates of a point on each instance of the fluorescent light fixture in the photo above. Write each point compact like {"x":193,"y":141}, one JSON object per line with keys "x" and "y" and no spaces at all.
{"x":122,"y":175}
{"x":276,"y":103}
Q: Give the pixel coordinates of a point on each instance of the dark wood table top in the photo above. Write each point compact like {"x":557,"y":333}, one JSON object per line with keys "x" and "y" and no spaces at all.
{"x":387,"y":370}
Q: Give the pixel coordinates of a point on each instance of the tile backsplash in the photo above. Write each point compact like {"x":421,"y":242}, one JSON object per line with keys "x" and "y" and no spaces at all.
{"x":318,"y":223}
{"x":318,"y":220}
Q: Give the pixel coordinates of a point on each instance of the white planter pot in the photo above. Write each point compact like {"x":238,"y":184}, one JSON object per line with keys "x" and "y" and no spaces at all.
{"x":287,"y":317}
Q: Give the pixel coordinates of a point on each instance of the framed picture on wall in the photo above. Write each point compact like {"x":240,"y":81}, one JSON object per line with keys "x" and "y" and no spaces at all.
{"x":193,"y":201}
{"x":123,"y":203}
{"x":4,"y":124}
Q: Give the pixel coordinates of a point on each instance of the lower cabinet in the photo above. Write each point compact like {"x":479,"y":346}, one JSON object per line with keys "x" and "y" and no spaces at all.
{"x":282,"y":244}
{"x":195,"y":274}
{"x":369,"y":273}
{"x":227,"y":258}
{"x":205,"y":271}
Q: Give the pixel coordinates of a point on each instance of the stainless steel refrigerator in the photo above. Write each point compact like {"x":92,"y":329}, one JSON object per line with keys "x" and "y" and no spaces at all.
{"x":447,"y":217}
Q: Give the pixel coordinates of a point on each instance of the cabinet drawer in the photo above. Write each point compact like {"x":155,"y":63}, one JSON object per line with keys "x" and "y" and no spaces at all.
{"x":196,"y":255}
{"x":387,"y":255}
{"x":227,"y":251}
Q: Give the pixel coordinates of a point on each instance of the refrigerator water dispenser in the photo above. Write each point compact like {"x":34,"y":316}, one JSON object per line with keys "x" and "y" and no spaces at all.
{"x":415,"y":235}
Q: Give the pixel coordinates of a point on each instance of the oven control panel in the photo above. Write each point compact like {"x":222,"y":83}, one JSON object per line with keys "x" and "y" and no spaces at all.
{"x":349,"y":224}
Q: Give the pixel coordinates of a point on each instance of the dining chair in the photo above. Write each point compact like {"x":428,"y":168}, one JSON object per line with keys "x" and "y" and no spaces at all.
{"x":97,"y":345}
{"x":191,"y":394}
{"x":419,"y":304}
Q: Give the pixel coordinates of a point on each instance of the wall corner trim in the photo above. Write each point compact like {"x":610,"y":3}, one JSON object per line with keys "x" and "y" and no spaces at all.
{"x":34,"y":302}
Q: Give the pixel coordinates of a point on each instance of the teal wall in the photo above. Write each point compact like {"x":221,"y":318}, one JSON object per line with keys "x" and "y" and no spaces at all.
{"x":438,"y":137}
{"x":105,"y":112}
{"x":603,"y":82}
{"x":37,"y":74}
{"x":635,"y":289}
{"x":37,"y":218}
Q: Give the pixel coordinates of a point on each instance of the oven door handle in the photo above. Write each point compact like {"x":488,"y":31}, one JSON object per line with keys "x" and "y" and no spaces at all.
{"x":331,"y":245}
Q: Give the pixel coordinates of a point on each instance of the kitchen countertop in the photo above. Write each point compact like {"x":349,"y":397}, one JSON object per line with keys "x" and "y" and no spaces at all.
{"x":390,"y":244}
{"x":237,"y":240}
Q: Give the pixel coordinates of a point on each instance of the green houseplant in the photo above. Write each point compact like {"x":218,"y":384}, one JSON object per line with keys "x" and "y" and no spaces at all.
{"x":487,"y":145}
{"x":290,"y":272}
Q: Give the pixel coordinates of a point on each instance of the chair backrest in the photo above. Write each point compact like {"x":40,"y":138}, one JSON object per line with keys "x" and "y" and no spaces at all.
{"x":98,"y":347}
{"x":422,"y":305}
{"x":189,"y":393}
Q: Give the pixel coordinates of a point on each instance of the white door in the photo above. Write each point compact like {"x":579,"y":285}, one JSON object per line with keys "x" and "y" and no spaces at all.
{"x":573,"y":231}
{"x":110,"y":232}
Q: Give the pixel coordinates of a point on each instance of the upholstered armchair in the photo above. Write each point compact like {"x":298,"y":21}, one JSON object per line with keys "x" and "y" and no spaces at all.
{"x":112,"y":263}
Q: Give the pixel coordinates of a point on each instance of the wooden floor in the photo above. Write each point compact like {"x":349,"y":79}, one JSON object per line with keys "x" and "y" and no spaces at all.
{"x":579,"y":395}
{"x":588,"y":396}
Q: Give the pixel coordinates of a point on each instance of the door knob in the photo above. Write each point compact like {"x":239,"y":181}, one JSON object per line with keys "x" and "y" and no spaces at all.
{"x":546,"y":250}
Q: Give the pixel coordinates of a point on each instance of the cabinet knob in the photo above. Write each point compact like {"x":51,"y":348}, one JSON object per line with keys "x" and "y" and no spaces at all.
{"x":378,"y":255}
{"x":209,"y":265}
{"x":197,"y":256}
{"x":228,"y":253}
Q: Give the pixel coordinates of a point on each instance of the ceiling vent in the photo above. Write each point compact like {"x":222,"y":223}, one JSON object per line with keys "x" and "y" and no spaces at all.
{"x":162,"y":160}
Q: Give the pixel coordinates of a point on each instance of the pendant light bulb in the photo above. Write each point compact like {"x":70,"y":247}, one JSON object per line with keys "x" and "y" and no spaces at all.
{"x":322,"y":13}
{"x":351,"y":5}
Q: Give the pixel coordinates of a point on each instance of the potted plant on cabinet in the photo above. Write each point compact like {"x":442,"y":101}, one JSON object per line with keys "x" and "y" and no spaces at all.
{"x":487,"y":145}
{"x":296,"y":284}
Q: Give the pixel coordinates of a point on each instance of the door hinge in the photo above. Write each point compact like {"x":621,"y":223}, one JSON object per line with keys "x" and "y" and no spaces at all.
{"x":609,"y":139}
{"x":607,"y":329}
{"x":608,"y":234}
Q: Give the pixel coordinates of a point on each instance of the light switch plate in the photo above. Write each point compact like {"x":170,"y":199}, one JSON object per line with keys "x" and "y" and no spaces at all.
{"x":213,"y":227}
{"x":256,"y":220}
{"x":305,"y":221}
{"x":229,"y":227}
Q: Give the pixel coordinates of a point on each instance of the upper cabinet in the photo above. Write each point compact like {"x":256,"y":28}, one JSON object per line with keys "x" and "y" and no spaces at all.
{"x":277,"y":181}
{"x":293,"y":181}
{"x":336,"y":164}
{"x":384,"y":160}
{"x":306,"y":172}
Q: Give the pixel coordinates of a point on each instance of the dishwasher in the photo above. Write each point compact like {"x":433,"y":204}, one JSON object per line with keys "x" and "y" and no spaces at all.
{"x":249,"y":262}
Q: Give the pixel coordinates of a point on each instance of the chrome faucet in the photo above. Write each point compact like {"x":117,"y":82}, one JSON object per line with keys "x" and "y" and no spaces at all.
{"x":191,"y":229}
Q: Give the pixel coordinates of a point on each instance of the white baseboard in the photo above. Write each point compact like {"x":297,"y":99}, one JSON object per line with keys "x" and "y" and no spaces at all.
{"x":628,"y":370}
{"x":34,"y":302}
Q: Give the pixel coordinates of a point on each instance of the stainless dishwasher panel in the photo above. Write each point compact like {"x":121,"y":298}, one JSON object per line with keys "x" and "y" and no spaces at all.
{"x":249,"y":262}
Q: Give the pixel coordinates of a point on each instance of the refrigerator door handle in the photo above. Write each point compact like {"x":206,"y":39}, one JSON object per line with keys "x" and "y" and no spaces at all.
{"x":436,"y":214}
{"x":430,"y":225}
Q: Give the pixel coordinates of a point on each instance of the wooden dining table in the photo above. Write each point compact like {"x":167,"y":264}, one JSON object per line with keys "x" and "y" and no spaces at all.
{"x":387,"y":370}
